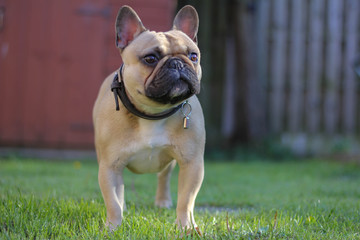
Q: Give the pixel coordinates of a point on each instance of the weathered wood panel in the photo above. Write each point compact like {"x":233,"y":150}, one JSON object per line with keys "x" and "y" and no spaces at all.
{"x":262,"y":53}
{"x":314,"y":65}
{"x":333,"y":56}
{"x":296,"y":66}
{"x":37,"y":69}
{"x":228,"y":123}
{"x":13,"y":71}
{"x":278,"y":65}
{"x":350,"y":98}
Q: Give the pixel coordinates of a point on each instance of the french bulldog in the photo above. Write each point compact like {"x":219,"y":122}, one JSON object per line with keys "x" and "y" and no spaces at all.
{"x":159,"y":121}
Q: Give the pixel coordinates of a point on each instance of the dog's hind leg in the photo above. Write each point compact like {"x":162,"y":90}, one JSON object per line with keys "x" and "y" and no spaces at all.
{"x":163,"y":194}
{"x":112,"y":188}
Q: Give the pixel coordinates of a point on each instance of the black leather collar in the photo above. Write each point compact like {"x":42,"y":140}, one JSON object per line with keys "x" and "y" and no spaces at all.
{"x":118,"y":88}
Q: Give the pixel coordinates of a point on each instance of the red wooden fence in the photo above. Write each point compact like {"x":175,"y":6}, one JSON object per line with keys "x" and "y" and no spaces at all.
{"x":53,"y":57}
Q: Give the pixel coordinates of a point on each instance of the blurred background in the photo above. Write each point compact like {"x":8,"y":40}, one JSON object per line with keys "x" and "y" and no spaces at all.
{"x":279,"y":76}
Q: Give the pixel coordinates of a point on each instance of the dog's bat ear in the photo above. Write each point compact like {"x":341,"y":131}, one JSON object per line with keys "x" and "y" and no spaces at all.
{"x":187,"y":21}
{"x":127,"y":26}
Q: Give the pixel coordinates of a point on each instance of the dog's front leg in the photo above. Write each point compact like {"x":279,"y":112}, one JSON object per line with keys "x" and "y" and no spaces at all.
{"x":191,"y":175}
{"x":163,"y":194}
{"x":112,"y":188}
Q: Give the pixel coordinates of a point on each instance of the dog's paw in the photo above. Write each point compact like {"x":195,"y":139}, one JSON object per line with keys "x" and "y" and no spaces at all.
{"x":192,"y":232}
{"x":163,"y":203}
{"x":112,"y":225}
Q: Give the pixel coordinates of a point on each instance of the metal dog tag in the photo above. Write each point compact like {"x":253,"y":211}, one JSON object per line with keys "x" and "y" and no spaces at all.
{"x":186,"y":122}
{"x":186,"y":111}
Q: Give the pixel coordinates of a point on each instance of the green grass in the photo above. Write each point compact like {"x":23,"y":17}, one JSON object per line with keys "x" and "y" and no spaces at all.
{"x":251,"y":200}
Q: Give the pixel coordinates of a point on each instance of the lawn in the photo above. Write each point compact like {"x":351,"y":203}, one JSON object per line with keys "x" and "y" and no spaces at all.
{"x":238,"y":200}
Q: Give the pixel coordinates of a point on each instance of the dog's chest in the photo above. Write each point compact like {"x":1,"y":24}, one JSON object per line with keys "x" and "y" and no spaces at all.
{"x":151,"y":149}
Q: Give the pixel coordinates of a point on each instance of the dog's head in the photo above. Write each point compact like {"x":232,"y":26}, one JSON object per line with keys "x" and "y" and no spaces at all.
{"x":160,"y":68}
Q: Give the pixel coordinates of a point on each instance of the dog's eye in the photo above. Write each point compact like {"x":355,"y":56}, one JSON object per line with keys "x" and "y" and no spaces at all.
{"x":193,"y":57}
{"x":150,"y":59}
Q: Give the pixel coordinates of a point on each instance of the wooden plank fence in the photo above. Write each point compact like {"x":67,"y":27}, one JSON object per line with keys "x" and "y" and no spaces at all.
{"x":350,"y":52}
{"x":306,"y":59}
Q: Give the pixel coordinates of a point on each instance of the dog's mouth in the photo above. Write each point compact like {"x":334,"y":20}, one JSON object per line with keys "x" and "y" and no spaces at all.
{"x":174,"y":83}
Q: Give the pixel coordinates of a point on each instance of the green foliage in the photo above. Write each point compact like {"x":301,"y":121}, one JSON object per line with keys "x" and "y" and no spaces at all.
{"x":238,"y":200}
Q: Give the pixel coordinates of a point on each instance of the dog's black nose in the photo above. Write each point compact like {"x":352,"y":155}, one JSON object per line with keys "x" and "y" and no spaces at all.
{"x":175,"y":63}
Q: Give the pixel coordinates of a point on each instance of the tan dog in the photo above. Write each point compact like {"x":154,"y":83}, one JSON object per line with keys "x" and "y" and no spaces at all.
{"x":157,"y":84}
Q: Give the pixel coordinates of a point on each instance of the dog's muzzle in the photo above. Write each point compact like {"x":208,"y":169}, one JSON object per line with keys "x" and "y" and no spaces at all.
{"x":175,"y":82}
